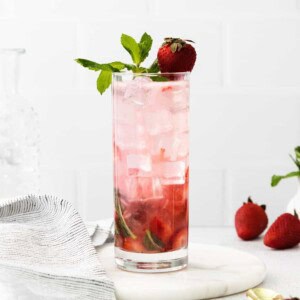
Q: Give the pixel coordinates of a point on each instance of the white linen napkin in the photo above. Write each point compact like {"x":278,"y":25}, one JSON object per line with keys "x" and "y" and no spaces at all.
{"x":46,"y":252}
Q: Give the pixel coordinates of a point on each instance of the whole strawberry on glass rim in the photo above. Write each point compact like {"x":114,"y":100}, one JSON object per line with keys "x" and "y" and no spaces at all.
{"x":176,"y":55}
{"x":151,"y":152}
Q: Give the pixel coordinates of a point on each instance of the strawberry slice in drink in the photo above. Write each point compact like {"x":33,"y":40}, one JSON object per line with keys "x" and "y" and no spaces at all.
{"x":180,"y":239}
{"x":162,"y":229}
{"x":134,"y":245}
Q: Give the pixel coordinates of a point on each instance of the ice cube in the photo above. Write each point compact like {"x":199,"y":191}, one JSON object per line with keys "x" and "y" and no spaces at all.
{"x":151,"y":188}
{"x":125,"y":113}
{"x":180,"y":100}
{"x":136,"y":90}
{"x":138,"y":164}
{"x":177,"y":94}
{"x":130,"y":136}
{"x":166,"y":146}
{"x":158,"y":121}
{"x":173,"y":172}
{"x":170,"y":146}
{"x":142,"y":188}
{"x":180,"y":120}
{"x":118,"y":90}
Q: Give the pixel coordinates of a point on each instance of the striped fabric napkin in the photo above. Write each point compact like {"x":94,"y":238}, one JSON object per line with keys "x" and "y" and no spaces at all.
{"x":47,"y":252}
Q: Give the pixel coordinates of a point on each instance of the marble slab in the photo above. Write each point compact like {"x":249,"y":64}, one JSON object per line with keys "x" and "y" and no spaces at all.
{"x":213,"y":271}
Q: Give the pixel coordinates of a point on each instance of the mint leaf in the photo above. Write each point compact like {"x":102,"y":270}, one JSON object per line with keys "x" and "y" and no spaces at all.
{"x":152,"y":242}
{"x":154,"y":68}
{"x":117,"y":65}
{"x":114,"y":66}
{"x":145,"y":45}
{"x":104,"y":81}
{"x":277,"y":178}
{"x":132,"y":47}
{"x":159,"y":78}
{"x":139,"y":69}
{"x":121,"y":224}
{"x":89,"y":64}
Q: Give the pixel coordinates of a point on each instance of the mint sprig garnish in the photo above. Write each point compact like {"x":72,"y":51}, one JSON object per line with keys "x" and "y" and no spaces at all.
{"x":138,"y":51}
{"x":277,"y":178}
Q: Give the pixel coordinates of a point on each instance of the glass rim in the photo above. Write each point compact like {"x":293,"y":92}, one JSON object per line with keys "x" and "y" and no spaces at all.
{"x":12,"y":50}
{"x":124,"y":73}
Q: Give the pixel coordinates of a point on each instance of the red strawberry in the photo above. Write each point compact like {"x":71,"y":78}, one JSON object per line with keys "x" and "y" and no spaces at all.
{"x":180,"y":240}
{"x":176,"y":55}
{"x":161,"y":229}
{"x":250,"y":220}
{"x":284,"y":232}
{"x":133,"y":245}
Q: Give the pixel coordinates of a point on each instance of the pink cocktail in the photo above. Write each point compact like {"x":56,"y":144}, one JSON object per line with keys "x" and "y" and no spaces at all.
{"x":151,"y":170}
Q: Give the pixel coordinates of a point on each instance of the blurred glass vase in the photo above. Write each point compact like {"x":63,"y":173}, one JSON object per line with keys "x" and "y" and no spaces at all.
{"x":19,"y":132}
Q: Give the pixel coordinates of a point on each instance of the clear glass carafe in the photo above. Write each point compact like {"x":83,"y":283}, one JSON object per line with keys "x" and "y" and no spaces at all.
{"x":19,"y":132}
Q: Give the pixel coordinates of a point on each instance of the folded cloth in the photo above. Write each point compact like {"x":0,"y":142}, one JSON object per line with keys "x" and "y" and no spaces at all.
{"x":46,"y":252}
{"x":100,"y":231}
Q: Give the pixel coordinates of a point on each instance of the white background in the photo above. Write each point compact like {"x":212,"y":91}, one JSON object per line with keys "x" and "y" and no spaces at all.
{"x":245,"y":101}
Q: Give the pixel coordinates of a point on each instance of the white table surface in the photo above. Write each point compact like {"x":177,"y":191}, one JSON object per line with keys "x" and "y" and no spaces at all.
{"x":283,"y":267}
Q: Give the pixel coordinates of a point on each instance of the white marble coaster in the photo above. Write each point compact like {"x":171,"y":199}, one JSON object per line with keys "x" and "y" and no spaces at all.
{"x":213,"y":271}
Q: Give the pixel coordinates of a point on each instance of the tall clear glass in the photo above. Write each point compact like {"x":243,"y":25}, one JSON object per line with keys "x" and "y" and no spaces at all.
{"x":151,"y":170}
{"x":19,"y":132}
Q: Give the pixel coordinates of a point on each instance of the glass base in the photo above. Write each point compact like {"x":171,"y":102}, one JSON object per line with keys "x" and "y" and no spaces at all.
{"x":151,"y":263}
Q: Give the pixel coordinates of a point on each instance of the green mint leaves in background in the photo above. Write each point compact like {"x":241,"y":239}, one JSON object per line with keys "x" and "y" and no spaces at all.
{"x":277,"y":178}
{"x":138,"y":52}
